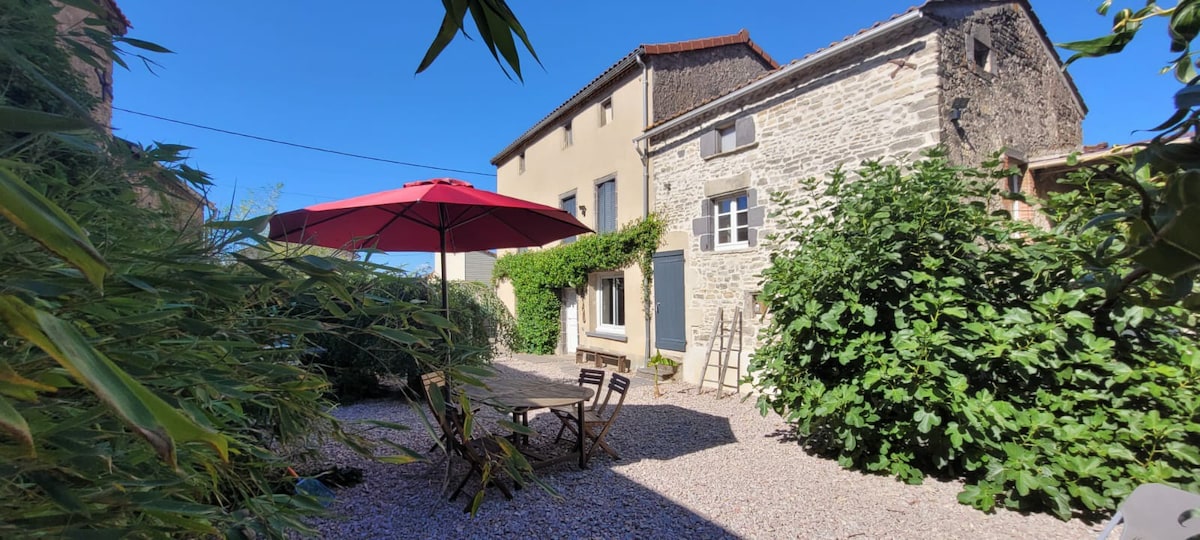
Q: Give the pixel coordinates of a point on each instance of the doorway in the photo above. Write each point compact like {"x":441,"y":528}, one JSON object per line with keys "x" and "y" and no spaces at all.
{"x":570,"y":320}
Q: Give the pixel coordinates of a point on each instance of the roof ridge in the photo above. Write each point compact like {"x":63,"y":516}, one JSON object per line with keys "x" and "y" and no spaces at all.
{"x":628,"y":61}
{"x":740,"y":38}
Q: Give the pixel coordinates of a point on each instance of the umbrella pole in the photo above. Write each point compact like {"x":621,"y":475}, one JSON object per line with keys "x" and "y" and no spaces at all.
{"x":445,"y":293}
{"x":445,"y":297}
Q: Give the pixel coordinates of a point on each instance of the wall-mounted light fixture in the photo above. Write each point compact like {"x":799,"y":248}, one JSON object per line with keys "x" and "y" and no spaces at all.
{"x":582,"y":210}
{"x":957,"y":107}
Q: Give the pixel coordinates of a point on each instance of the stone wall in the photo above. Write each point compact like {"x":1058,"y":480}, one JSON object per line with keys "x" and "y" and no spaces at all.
{"x":684,"y":80}
{"x":879,"y":101}
{"x":1021,"y":101}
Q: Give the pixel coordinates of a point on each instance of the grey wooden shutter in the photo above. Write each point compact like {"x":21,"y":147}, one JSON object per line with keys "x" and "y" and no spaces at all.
{"x":745,"y":130}
{"x":705,"y":230}
{"x":568,"y":205}
{"x":755,"y":217}
{"x":606,"y":203}
{"x":708,"y":143}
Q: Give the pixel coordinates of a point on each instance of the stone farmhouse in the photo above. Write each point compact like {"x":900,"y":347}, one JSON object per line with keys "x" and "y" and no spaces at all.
{"x":974,"y":76}
{"x":188,"y":205}
{"x":581,"y":158}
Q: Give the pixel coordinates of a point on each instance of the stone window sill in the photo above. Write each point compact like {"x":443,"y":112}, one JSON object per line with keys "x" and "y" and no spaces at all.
{"x":609,"y":336}
{"x":737,"y":150}
{"x":731,"y":250}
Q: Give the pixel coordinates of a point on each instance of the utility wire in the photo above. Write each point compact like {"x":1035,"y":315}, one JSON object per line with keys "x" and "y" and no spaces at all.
{"x":304,"y":146}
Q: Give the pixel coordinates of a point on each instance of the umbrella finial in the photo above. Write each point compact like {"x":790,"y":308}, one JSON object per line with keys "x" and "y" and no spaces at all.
{"x":440,"y":181}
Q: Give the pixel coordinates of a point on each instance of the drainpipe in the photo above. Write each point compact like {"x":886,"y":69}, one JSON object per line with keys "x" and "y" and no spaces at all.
{"x":645,"y":155}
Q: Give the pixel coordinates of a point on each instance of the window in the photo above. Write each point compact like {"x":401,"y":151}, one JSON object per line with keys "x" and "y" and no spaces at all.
{"x":606,"y":206}
{"x":521,"y":163}
{"x":726,"y":138}
{"x":732,"y":217}
{"x":568,"y":135}
{"x":606,"y":112}
{"x":610,"y":301}
{"x":982,"y":56}
{"x":568,"y":204}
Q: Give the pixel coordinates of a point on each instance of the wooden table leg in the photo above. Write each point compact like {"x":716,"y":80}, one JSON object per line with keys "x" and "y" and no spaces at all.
{"x":579,"y":443}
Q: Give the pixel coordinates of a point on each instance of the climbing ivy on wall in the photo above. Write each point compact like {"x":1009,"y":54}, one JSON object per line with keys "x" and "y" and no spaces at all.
{"x":537,"y":276}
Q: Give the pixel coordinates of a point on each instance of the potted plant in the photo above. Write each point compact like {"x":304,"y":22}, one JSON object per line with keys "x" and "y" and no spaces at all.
{"x":662,"y":366}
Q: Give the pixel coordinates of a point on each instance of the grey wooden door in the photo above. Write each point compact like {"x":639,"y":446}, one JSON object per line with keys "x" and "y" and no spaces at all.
{"x":669,"y":318}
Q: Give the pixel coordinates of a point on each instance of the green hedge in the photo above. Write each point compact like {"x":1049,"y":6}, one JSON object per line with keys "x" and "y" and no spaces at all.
{"x":914,"y":332}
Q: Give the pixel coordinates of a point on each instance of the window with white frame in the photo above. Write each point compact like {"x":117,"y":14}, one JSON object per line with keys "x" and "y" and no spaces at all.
{"x":606,"y":112}
{"x":610,"y":302}
{"x":732,"y":221}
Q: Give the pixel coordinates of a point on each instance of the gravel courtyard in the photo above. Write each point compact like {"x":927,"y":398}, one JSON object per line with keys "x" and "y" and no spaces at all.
{"x":692,"y":467}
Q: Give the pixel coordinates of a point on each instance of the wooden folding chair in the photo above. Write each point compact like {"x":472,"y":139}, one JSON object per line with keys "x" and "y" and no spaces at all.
{"x":566,"y":415}
{"x":435,"y":381}
{"x":482,"y":454}
{"x":596,"y":425}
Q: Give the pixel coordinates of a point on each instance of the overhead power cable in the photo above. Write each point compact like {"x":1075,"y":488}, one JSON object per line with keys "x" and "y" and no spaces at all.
{"x":304,"y":146}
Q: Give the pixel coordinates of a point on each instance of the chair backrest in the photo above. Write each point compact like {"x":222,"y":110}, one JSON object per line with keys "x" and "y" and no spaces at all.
{"x":618,"y":385}
{"x":1158,"y":511}
{"x":593,"y":377}
{"x":434,"y":383}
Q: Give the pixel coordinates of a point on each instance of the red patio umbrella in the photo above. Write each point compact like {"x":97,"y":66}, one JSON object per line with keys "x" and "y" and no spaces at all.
{"x":442,"y":215}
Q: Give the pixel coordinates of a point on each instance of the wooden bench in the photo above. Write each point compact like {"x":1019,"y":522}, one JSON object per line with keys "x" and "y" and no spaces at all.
{"x":600,"y":357}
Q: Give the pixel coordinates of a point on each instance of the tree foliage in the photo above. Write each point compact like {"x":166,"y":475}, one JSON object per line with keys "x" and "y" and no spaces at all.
{"x":1160,"y":185}
{"x":538,"y":276}
{"x":913,"y":332}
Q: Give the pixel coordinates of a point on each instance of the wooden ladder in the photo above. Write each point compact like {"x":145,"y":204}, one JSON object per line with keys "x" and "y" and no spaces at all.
{"x":727,"y":341}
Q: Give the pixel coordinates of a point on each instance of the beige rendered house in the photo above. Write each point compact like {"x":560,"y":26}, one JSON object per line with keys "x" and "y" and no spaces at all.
{"x":973,"y":76}
{"x":581,"y":158}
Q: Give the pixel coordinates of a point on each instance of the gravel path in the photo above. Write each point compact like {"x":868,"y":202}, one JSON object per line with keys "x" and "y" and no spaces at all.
{"x":692,"y":467}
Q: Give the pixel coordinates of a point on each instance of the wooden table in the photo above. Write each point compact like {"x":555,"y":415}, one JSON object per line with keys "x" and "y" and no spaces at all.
{"x":521,"y":394}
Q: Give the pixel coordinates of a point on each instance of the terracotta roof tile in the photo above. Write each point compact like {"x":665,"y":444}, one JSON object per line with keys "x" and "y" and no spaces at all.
{"x":740,"y":38}
{"x":117,"y":17}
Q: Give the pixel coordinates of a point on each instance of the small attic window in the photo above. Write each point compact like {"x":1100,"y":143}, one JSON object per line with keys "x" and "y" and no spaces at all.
{"x":982,"y":56}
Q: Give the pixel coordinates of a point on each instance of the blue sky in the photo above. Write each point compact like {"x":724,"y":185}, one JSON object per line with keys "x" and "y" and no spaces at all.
{"x":340,"y":76}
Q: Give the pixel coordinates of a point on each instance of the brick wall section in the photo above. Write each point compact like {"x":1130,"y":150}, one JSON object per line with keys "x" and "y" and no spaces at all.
{"x":684,"y":80}
{"x":882,"y":101}
{"x":1022,"y":104}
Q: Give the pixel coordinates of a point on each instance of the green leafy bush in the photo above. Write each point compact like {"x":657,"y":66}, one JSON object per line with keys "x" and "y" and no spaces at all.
{"x":358,"y":360}
{"x":538,"y":276}
{"x":915,"y":332}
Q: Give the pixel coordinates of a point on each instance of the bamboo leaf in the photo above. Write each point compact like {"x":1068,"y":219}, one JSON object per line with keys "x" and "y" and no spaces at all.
{"x":451,"y":24}
{"x":147,"y":414}
{"x":15,"y":385}
{"x":45,"y":222}
{"x":142,"y":44}
{"x":14,"y":424}
{"x":31,"y":121}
